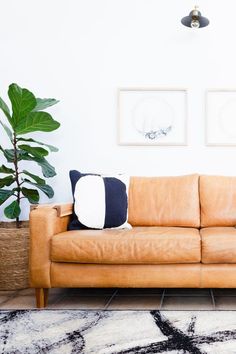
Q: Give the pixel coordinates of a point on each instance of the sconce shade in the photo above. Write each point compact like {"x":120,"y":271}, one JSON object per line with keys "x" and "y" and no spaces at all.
{"x":195,"y":20}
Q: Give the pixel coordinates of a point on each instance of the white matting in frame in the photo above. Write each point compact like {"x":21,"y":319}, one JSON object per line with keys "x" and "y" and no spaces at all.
{"x":152,"y":116}
{"x":221,"y":117}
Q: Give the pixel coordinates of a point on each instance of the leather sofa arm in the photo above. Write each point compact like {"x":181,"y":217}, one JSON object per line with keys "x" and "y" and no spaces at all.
{"x":62,"y":209}
{"x":45,"y":221}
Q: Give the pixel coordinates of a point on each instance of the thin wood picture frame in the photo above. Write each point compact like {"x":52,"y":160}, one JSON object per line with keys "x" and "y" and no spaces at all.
{"x":220,"y":117}
{"x":152,"y":116}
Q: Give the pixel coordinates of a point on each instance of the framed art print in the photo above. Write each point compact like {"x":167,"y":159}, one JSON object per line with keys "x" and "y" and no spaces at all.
{"x":221,"y":117}
{"x":152,"y":116}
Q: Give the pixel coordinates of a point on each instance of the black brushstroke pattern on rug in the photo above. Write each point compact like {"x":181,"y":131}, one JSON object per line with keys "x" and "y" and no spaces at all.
{"x":178,"y":340}
{"x":75,"y":338}
{"x":10,"y":316}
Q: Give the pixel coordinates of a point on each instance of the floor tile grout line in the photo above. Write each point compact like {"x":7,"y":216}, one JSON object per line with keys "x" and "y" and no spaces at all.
{"x":162,"y":298}
{"x":110,"y":300}
{"x":201,"y":295}
{"x":139,"y":295}
{"x":213,"y":299}
{"x":86,"y":295}
{"x":10,"y":297}
{"x":57,"y":300}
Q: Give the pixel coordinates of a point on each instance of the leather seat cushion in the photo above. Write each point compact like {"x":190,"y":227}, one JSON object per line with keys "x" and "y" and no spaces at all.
{"x":140,"y":245}
{"x":218,"y":245}
{"x":218,"y":201}
{"x":164,"y":201}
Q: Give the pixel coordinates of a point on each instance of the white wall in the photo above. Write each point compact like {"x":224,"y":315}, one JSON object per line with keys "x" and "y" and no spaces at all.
{"x":81,"y":51}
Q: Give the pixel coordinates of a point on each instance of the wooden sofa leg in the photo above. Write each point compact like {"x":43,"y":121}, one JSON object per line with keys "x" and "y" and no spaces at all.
{"x":46,"y":297}
{"x":41,"y":297}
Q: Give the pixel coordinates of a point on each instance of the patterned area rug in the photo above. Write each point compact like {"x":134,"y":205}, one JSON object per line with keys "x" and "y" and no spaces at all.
{"x":113,"y":332}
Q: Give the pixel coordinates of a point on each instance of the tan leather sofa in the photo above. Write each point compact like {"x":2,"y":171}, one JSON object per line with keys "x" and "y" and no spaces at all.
{"x":183,"y":235}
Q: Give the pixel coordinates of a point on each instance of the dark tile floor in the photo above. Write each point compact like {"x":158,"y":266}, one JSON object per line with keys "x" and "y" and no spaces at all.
{"x":124,"y":299}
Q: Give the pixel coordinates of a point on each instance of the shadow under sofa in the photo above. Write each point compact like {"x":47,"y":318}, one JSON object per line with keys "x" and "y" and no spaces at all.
{"x":183,"y":235}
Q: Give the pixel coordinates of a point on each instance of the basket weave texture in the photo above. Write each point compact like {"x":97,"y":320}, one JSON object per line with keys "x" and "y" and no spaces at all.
{"x":14,"y":256}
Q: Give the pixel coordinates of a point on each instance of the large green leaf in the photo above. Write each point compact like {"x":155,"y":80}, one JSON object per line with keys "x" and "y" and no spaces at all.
{"x":4,"y":169}
{"x":31,"y":194}
{"x":37,"y":179}
{"x":12,"y":211}
{"x":4,"y":107}
{"x":10,"y":156}
{"x":4,"y":195}
{"x":36,"y":121}
{"x":23,"y":102}
{"x":6,"y":111}
{"x":35,"y":151}
{"x":46,"y":189}
{"x":7,"y":181}
{"x":7,"y":130}
{"x":43,"y":103}
{"x":51,"y":147}
{"x":47,"y":169}
{"x":8,"y":153}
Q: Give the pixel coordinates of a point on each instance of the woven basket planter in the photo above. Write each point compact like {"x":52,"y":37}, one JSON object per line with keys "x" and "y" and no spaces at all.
{"x":14,"y":256}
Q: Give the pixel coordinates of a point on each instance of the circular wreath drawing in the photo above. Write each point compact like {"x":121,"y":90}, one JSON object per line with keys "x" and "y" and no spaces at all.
{"x":153,"y":118}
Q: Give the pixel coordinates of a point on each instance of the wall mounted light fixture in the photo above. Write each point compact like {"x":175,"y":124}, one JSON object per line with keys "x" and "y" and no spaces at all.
{"x":195,"y":19}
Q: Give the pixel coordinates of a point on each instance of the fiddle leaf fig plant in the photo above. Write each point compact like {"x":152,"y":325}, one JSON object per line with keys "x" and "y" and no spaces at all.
{"x":27,"y":115}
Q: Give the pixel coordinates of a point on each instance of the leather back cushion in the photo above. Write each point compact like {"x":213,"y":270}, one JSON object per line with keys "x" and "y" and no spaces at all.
{"x":218,"y":201}
{"x":164,"y":201}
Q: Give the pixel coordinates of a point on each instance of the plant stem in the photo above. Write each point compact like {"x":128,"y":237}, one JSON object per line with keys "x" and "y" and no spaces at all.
{"x":16,"y":175}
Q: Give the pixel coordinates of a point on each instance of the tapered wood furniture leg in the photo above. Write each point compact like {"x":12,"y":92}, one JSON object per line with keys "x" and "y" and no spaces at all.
{"x":46,"y":297}
{"x":41,"y":297}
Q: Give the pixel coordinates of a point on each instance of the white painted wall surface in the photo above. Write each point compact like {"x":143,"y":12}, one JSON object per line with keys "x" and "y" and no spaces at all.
{"x":81,"y":51}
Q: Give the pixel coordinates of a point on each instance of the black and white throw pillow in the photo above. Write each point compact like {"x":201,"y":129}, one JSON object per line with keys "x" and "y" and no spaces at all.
{"x":99,"y":201}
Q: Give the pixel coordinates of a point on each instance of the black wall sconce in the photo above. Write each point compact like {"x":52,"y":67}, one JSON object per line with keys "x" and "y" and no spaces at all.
{"x":195,"y":19}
